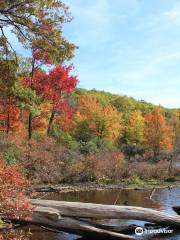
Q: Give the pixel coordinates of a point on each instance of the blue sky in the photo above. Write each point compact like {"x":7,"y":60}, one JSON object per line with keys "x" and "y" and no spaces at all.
{"x":130,"y":47}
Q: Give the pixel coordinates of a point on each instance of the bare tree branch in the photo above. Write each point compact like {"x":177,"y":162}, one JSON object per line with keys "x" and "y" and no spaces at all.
{"x":3,"y":34}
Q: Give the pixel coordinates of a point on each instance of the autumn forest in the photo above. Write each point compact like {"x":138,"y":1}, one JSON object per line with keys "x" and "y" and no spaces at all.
{"x":54,"y":132}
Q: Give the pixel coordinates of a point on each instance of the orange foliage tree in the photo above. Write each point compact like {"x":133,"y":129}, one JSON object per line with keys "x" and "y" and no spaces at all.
{"x":104,"y":121}
{"x":10,"y":116}
{"x":157,"y":133}
{"x":9,"y":112}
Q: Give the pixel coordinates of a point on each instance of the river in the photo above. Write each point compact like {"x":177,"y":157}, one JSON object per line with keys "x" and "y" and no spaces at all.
{"x":162,"y":199}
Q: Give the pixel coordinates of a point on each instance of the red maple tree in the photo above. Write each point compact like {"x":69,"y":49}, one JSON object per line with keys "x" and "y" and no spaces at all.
{"x":53,"y":87}
{"x":60,"y":82}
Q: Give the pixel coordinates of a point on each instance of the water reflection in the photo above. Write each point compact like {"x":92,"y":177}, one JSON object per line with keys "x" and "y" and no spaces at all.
{"x":130,"y":197}
{"x":162,"y":199}
{"x":177,"y":164}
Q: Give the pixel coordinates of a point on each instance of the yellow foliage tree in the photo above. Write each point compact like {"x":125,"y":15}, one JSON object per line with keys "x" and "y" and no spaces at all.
{"x":104,"y":121}
{"x":135,"y":128}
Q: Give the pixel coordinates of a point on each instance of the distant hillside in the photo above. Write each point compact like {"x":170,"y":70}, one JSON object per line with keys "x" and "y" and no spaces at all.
{"x":124,"y":103}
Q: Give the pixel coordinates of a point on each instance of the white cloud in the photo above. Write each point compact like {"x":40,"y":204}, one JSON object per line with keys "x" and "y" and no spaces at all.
{"x":91,"y":22}
{"x":174,"y":14}
{"x":94,"y":21}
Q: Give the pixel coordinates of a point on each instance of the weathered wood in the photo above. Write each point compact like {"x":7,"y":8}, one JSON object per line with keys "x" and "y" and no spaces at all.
{"x":100,"y":211}
{"x":78,"y":218}
{"x":126,"y":229}
{"x":49,"y":217}
{"x":46,"y":213}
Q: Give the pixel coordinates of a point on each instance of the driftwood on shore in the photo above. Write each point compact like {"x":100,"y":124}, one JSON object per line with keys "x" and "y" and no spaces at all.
{"x":79,"y":218}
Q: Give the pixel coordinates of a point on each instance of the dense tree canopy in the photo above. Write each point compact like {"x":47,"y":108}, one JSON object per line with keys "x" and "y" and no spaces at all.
{"x":37,"y":24}
{"x":134,"y":134}
{"x":157,"y":133}
{"x":103,"y":121}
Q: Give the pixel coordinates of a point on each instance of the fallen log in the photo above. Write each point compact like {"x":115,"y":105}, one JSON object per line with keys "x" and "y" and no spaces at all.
{"x":126,"y":229}
{"x":49,"y":217}
{"x":100,"y":211}
{"x":46,"y":189}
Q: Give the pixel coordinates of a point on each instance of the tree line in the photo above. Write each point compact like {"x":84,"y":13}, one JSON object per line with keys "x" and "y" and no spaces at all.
{"x":53,"y":132}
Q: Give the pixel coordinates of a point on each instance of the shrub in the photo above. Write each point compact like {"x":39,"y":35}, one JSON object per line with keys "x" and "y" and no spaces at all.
{"x":146,"y":170}
{"x":135,"y":179}
{"x":88,"y":147}
{"x":13,"y":202}
{"x":106,"y":164}
{"x":12,"y":198}
{"x":9,"y":157}
{"x":44,"y":160}
{"x":170,"y":179}
{"x":14,"y":235}
{"x":64,"y":137}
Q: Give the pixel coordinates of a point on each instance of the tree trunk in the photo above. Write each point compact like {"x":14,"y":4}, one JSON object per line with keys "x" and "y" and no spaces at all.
{"x":30,"y":114}
{"x":101,"y":211}
{"x":50,"y":122}
{"x":78,"y":218}
{"x":50,"y":217}
{"x":155,"y":155}
{"x":30,"y":126}
{"x":8,"y":124}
